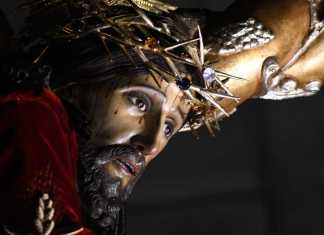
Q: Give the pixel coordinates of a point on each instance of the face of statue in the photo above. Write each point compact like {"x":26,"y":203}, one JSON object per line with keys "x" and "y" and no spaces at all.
{"x":132,"y":125}
{"x":143,"y":113}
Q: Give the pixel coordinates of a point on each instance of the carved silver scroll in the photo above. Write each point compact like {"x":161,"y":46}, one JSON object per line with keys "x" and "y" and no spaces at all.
{"x":278,"y":86}
{"x":246,"y":35}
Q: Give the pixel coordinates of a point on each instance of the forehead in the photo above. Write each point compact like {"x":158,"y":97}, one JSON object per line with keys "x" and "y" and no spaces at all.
{"x":174,"y":97}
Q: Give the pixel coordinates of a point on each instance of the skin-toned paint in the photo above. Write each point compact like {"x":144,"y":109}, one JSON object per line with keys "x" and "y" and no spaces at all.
{"x":143,"y":113}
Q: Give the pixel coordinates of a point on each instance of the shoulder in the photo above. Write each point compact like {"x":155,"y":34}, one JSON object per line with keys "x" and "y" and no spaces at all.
{"x":12,"y":103}
{"x":26,"y":105}
{"x":41,"y":126}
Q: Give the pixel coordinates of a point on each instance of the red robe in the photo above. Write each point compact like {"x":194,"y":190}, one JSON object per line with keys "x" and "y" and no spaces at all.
{"x":38,"y":154}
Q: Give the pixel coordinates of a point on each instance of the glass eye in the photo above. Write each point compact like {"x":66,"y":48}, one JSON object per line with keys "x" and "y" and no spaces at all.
{"x":139,"y":101}
{"x":168,"y":129}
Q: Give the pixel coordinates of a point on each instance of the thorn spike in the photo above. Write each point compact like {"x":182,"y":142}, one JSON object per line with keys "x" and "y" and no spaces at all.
{"x":181,"y":44}
{"x":201,"y":46}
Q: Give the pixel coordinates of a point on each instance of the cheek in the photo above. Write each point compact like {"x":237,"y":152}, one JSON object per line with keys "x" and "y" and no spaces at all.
{"x":120,"y":128}
{"x":148,"y":159}
{"x":161,"y":146}
{"x":118,"y":125}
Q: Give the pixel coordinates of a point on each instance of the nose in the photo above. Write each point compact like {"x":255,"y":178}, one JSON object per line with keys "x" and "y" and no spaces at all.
{"x":145,"y":144}
{"x":148,"y":139}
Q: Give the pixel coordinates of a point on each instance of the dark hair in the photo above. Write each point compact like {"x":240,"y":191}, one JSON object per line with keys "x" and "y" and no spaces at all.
{"x":87,"y":61}
{"x":84,"y":74}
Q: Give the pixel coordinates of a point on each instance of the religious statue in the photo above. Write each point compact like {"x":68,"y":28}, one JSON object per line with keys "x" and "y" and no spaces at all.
{"x":92,"y":91}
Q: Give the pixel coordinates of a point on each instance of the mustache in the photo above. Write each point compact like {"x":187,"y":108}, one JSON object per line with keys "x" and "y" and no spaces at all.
{"x":102,"y":203}
{"x":102,"y":155}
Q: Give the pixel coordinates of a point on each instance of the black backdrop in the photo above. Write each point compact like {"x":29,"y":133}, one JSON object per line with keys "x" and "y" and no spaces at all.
{"x":261,"y":175}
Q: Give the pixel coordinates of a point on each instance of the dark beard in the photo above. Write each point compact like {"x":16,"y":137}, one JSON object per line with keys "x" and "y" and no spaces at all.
{"x":102,"y":204}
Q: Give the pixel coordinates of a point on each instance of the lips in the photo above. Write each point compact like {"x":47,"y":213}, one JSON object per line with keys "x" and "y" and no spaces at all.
{"x":127,"y":166}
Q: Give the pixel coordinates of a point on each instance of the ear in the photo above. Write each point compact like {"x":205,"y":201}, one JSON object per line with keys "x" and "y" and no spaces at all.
{"x":6,"y":32}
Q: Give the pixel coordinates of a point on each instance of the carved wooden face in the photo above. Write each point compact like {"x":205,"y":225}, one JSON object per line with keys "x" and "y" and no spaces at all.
{"x":140,"y":112}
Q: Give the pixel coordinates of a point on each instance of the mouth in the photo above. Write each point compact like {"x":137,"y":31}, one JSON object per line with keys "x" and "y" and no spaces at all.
{"x":127,"y":166}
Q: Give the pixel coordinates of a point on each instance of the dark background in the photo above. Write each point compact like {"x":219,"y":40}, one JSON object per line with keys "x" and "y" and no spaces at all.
{"x":262,"y":174}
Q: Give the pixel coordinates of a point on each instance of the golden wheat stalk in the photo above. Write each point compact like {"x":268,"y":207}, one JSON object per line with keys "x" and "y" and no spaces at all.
{"x":44,"y":222}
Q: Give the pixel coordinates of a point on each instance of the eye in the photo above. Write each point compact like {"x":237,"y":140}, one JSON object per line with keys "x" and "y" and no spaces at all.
{"x":140,"y":101}
{"x":168,"y":129}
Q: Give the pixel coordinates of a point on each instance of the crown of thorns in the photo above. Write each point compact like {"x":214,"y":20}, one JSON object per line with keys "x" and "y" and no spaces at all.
{"x":140,"y":31}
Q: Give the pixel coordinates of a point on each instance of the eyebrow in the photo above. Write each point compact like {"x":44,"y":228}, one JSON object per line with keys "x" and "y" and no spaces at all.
{"x":145,"y":87}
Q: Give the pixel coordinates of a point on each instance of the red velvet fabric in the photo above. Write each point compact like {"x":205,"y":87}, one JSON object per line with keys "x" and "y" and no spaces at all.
{"x":38,"y":154}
